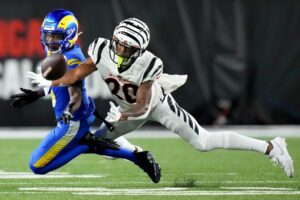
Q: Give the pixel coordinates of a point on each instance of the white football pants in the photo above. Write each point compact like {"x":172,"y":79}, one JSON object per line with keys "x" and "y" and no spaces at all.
{"x":169,"y":114}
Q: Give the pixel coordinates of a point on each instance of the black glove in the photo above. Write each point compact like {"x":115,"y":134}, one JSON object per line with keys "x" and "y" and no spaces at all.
{"x":66,"y":117}
{"x":67,"y":114}
{"x":22,"y":99}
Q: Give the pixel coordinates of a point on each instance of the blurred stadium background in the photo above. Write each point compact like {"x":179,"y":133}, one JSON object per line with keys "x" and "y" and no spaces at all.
{"x":243,"y":62}
{"x":242,"y":57}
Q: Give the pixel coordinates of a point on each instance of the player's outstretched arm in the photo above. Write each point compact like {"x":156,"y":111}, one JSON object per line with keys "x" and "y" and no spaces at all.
{"x":141,"y":108}
{"x":76,"y":74}
{"x":69,"y":78}
{"x":26,"y":97}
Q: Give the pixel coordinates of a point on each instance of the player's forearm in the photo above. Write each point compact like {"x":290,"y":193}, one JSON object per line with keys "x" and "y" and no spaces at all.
{"x":139,"y":111}
{"x":75,"y":98}
{"x":69,"y":78}
{"x":141,"y":108}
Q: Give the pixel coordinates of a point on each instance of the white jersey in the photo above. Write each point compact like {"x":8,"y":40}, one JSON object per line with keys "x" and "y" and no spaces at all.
{"x":124,"y":85}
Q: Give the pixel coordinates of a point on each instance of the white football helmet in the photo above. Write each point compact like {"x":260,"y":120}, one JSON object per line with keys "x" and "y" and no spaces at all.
{"x":133,"y":35}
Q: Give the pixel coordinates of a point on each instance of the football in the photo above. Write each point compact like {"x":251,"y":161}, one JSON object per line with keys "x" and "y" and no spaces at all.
{"x":54,"y":66}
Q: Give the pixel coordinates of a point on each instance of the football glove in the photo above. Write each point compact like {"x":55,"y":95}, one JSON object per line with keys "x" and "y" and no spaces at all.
{"x":67,"y":114}
{"x":37,"y":78}
{"x":114,"y":114}
{"x":66,"y":117}
{"x":22,"y":99}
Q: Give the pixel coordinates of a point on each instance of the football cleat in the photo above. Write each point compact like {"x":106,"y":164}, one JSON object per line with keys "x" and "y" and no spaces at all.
{"x":279,"y":155}
{"x":91,"y":140}
{"x":147,"y":163}
{"x":136,"y":149}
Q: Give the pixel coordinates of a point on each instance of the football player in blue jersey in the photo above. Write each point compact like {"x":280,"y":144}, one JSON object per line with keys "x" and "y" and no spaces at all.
{"x":74,"y":109}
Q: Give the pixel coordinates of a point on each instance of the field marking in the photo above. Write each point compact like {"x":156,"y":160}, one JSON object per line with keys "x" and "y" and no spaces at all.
{"x":160,"y":132}
{"x":29,"y":175}
{"x":257,"y":188}
{"x":211,"y":174}
{"x":169,"y":191}
{"x":150,"y":183}
{"x":190,"y":193}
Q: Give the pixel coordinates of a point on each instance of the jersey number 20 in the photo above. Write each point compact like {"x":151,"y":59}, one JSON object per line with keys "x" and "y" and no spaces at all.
{"x":127,"y":89}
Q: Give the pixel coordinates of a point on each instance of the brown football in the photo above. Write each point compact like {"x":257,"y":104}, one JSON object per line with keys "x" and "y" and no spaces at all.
{"x":54,"y":66}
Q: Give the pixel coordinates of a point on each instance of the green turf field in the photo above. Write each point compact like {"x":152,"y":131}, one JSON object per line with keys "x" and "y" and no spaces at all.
{"x":186,"y":174}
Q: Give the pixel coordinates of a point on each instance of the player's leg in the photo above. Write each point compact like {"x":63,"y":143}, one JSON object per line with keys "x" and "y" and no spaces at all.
{"x":59,"y":143}
{"x":102,"y":132}
{"x":61,"y":160}
{"x":181,"y":122}
{"x":144,"y":159}
{"x":63,"y":144}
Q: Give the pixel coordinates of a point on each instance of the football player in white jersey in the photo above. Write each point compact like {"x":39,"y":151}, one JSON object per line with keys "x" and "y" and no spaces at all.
{"x":143,"y":93}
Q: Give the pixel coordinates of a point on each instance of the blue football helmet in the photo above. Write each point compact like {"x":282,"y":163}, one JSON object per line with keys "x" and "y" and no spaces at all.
{"x":59,"y":31}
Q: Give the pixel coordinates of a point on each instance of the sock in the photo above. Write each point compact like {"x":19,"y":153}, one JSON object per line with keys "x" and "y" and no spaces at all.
{"x":232,"y":140}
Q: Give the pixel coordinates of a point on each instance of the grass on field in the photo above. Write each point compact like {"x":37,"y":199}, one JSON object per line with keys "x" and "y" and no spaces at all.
{"x":186,"y":174}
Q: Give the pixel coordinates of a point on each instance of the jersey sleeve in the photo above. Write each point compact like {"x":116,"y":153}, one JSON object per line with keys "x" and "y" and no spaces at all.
{"x":74,"y":58}
{"x":154,"y":70}
{"x":95,"y":49}
{"x":73,"y":62}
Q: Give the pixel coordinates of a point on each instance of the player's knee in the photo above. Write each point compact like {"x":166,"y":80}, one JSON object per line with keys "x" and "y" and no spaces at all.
{"x":199,"y":145}
{"x":36,"y":170}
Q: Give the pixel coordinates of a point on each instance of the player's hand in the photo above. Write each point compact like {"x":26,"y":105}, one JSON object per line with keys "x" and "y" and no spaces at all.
{"x":114,"y":114}
{"x":22,"y":99}
{"x":66,"y":117}
{"x":37,"y":78}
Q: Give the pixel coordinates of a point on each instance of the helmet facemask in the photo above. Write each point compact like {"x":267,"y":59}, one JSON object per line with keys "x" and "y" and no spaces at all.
{"x":52,"y":40}
{"x":123,"y":54}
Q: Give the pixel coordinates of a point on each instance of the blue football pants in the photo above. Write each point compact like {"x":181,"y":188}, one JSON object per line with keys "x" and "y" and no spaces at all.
{"x":62,"y":145}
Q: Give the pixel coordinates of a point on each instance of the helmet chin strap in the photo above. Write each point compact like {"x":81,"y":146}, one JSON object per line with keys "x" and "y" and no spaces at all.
{"x":119,"y":61}
{"x":49,"y":52}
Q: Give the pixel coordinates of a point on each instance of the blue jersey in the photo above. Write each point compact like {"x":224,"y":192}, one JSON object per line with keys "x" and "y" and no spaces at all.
{"x":60,"y":95}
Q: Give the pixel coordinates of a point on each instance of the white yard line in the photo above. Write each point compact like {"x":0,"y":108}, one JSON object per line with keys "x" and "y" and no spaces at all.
{"x":170,"y":191}
{"x":160,"y":132}
{"x":191,"y":193}
{"x":257,"y":188}
{"x":29,"y":175}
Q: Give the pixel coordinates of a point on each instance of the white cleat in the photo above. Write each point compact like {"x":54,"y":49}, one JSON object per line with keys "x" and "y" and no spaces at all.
{"x":280,"y":155}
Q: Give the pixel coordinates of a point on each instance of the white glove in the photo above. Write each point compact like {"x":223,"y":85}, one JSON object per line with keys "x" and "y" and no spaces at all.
{"x":37,"y":78}
{"x":114,"y":114}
